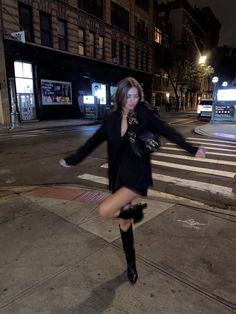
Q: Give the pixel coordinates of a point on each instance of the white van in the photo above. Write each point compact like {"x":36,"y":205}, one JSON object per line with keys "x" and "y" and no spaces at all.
{"x":204,"y":108}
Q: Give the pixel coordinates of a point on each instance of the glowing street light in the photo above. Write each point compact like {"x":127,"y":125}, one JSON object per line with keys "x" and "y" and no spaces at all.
{"x":202,"y":60}
{"x":215,"y":79}
{"x":225,"y":84}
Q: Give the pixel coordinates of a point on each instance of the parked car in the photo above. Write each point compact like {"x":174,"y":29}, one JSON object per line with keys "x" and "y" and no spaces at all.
{"x":204,"y":108}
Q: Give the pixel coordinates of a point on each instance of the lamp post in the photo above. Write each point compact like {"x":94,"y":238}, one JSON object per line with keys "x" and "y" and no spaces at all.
{"x":15,"y":123}
{"x":202,"y":63}
{"x":214,"y":80}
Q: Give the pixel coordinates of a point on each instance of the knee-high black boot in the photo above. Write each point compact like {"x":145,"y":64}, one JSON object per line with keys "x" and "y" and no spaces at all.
{"x":128,"y":245}
{"x":133,"y":211}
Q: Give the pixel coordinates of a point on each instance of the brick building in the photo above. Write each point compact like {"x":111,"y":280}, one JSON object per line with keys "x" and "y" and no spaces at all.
{"x":56,"y":53}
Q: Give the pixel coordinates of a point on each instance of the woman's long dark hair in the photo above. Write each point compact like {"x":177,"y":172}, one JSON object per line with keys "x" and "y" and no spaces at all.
{"x":122,"y":90}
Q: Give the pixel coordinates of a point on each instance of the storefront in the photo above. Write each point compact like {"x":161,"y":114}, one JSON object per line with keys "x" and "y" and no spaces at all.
{"x":52,"y":84}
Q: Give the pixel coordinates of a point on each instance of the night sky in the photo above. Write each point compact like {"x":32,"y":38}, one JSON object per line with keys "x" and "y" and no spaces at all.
{"x":225,"y":12}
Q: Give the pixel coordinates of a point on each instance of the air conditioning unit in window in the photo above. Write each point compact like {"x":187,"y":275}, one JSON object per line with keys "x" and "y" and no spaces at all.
{"x":19,"y":36}
{"x":114,"y":60}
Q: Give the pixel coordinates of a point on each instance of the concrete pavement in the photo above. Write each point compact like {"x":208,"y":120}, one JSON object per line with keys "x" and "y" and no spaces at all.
{"x":59,"y":257}
{"x":218,"y":130}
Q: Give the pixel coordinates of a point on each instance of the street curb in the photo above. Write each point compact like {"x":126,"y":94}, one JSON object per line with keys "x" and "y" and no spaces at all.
{"x":175,"y":201}
{"x":23,"y":128}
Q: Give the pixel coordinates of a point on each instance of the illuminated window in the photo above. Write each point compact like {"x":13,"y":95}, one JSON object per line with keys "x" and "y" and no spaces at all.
{"x":25,"y":90}
{"x":158,"y":36}
{"x":99,"y":90}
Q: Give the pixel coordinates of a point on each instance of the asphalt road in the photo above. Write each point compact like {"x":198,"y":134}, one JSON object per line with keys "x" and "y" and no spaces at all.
{"x":31,"y":158}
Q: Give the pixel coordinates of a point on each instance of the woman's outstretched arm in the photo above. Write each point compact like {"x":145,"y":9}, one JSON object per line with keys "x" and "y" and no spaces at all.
{"x":98,"y":137}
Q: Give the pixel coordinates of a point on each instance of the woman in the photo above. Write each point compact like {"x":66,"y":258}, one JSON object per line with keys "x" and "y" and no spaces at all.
{"x":129,"y":174}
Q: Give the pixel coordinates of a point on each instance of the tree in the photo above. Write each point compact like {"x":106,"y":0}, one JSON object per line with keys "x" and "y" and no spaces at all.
{"x":183,"y":69}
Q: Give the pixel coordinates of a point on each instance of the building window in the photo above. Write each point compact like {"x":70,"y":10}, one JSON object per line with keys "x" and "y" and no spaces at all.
{"x":94,"y":7}
{"x":147,"y":60}
{"x":92,"y":47}
{"x":45,"y":29}
{"x":142,"y":60}
{"x":141,"y":29}
{"x":158,"y":36}
{"x":119,"y":17}
{"x":101,"y":47}
{"x":127,"y":52}
{"x":114,"y":50}
{"x":25,"y":20}
{"x":25,"y":90}
{"x":137,"y":58}
{"x":81,"y":43}
{"x":121,"y":53}
{"x":62,"y":34}
{"x":142,"y":4}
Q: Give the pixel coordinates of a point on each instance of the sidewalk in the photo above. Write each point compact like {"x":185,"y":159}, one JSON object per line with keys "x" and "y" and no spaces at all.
{"x":45,"y":124}
{"x":218,"y":130}
{"x":59,"y":257}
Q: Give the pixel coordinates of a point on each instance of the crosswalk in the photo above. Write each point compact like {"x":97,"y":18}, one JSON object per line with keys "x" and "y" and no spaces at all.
{"x":183,"y":121}
{"x":174,"y":169}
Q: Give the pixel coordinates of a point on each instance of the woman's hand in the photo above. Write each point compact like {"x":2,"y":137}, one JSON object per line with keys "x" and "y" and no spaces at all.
{"x":63,"y":163}
{"x":201,"y":153}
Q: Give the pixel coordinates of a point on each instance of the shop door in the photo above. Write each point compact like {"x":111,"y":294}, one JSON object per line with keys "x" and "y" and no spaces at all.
{"x":26,"y":107}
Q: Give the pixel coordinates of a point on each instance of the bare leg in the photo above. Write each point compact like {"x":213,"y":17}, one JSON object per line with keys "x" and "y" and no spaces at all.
{"x":111,"y":206}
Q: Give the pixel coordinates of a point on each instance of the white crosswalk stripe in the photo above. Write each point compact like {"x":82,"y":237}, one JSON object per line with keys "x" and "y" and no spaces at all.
{"x":183,"y":121}
{"x":204,"y":160}
{"x":207,"y":187}
{"x":190,"y":168}
{"x":213,"y":144}
{"x":211,"y":140}
{"x":207,"y":147}
{"x":160,"y":163}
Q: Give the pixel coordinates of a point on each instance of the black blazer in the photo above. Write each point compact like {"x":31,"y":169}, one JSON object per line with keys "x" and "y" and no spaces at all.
{"x":110,"y":131}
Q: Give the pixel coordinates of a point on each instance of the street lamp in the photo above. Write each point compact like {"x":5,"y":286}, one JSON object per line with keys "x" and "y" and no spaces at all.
{"x":202,"y":60}
{"x":214,"y":80}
